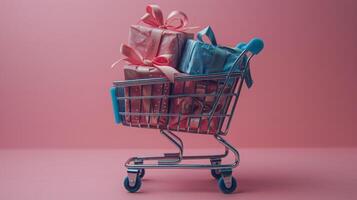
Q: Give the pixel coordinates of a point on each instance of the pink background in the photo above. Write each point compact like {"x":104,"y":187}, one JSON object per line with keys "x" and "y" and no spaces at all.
{"x":55,"y":76}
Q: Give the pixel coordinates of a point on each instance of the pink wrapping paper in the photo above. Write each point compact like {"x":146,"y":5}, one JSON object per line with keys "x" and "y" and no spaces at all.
{"x":197,"y":105}
{"x":151,"y":42}
{"x":153,"y":52}
{"x":145,"y":105}
{"x":161,"y":36}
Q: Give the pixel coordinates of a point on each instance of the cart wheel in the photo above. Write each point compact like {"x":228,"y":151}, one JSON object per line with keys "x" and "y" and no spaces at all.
{"x":142,"y":173}
{"x":134,"y":188}
{"x":223,"y":187}
{"x":215,"y":174}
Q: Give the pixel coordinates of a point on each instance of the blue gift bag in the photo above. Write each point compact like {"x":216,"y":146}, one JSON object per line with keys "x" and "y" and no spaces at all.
{"x":202,"y":58}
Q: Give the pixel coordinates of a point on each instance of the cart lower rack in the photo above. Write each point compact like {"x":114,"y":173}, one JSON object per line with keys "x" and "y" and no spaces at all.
{"x":202,"y":104}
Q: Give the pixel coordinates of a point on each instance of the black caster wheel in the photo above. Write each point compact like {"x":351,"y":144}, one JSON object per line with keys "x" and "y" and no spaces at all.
{"x":134,"y":188}
{"x":223,"y":187}
{"x":215,"y":174}
{"x":142,"y":173}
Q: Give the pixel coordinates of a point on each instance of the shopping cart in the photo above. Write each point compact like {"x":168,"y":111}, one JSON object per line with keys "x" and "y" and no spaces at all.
{"x":211,"y":114}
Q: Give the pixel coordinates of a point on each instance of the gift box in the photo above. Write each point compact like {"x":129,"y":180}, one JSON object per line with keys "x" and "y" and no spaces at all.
{"x":157,"y":105}
{"x":153,"y":52}
{"x":197,"y":106}
{"x":140,"y":68}
{"x":162,"y":36}
{"x":202,"y":58}
{"x":151,"y":42}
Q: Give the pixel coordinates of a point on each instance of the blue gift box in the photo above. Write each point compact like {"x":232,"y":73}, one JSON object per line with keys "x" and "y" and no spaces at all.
{"x":202,"y":58}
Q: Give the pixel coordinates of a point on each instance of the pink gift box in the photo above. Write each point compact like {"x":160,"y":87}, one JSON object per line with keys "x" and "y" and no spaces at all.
{"x":198,"y":105}
{"x":161,"y":36}
{"x":153,"y":105}
{"x":151,"y":42}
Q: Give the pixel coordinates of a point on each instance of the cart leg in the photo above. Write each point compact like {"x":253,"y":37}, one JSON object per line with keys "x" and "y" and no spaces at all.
{"x":231,"y":148}
{"x":172,"y":157}
{"x":172,"y":160}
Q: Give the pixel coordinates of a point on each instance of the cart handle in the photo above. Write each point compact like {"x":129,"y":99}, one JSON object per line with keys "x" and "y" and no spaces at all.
{"x":255,"y":46}
{"x":115,"y":105}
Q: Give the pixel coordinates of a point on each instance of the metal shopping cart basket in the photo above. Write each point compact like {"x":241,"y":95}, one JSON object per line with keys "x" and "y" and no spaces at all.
{"x":209,"y":102}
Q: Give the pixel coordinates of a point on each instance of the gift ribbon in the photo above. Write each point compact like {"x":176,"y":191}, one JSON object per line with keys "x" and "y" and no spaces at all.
{"x":176,"y":20}
{"x":160,"y":62}
{"x":210,"y":34}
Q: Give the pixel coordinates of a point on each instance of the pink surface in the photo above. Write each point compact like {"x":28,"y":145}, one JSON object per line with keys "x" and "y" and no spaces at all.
{"x":55,"y":72}
{"x":97,"y":174}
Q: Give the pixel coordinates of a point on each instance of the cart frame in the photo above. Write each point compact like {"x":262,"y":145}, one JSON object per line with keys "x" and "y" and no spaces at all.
{"x":233,"y":80}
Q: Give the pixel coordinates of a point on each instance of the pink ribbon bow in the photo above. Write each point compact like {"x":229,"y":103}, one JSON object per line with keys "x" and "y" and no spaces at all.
{"x":160,"y":62}
{"x":176,"y":20}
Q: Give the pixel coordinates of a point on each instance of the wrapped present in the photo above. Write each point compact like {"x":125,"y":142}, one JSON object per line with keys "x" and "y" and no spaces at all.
{"x":197,"y":106}
{"x":140,"y":68}
{"x":160,"y":63}
{"x":153,"y":52}
{"x":157,"y":105}
{"x":162,"y":36}
{"x":203,"y":58}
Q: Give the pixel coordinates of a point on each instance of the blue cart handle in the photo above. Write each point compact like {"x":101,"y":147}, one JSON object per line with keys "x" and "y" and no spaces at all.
{"x":117,"y":117}
{"x":255,"y":46}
